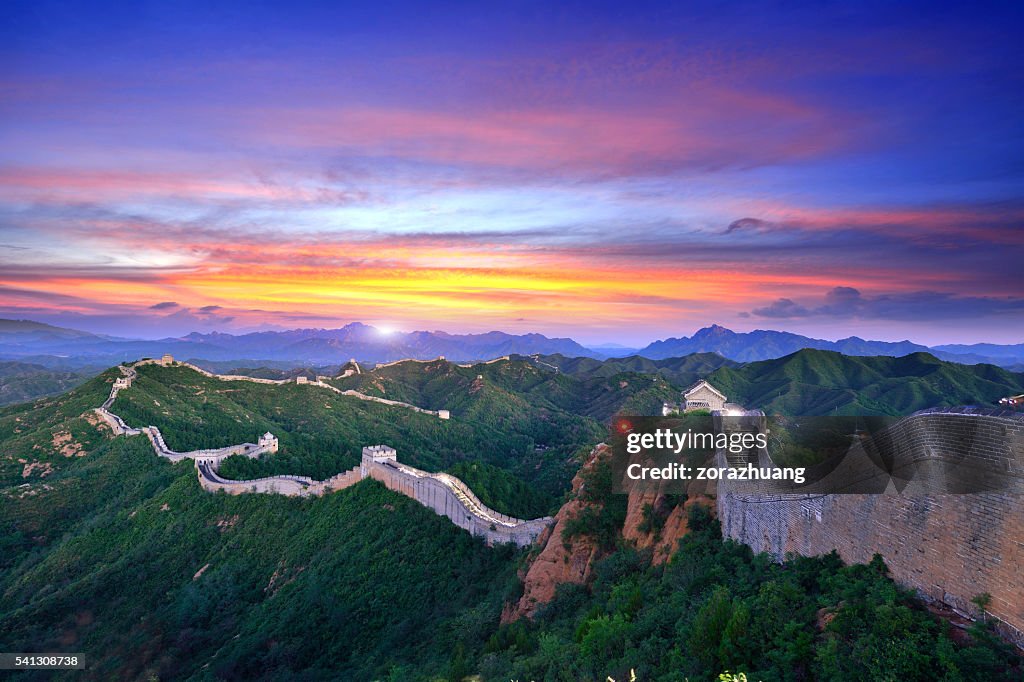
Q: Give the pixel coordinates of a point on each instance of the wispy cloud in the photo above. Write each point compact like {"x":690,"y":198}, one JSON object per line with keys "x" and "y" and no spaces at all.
{"x":849,"y":303}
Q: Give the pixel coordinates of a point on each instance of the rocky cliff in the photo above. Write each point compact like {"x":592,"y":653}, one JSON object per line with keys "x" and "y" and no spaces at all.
{"x":559,"y":561}
{"x":562,"y":560}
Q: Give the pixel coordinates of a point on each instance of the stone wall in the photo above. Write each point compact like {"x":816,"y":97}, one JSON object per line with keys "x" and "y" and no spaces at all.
{"x":381,"y":365}
{"x":442,"y":493}
{"x":116,"y":424}
{"x":448,"y":496}
{"x":212,"y":456}
{"x":484,"y":362}
{"x":948,"y":547}
{"x":319,"y":382}
{"x":443,"y":414}
{"x":280,"y":485}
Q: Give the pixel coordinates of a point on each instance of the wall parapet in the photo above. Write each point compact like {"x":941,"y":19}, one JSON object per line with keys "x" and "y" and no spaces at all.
{"x":947,"y":547}
{"x":451,"y":497}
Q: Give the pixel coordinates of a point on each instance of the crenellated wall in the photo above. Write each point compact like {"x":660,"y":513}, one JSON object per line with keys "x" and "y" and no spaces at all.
{"x":948,"y":547}
{"x":211,"y":455}
{"x":449,"y":496}
{"x":282,"y":485}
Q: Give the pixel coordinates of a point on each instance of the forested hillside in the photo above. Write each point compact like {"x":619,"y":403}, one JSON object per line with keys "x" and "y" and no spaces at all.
{"x":322,"y":433}
{"x":680,"y":370}
{"x":109,"y":550}
{"x":498,"y":387}
{"x":717,"y":607}
{"x":817,"y":382}
{"x":23,"y":381}
{"x":124,"y":557}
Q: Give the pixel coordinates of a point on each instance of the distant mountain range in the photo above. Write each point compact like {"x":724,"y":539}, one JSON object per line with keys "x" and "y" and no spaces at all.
{"x":764,"y":344}
{"x":58,"y":347}
{"x":55,"y":346}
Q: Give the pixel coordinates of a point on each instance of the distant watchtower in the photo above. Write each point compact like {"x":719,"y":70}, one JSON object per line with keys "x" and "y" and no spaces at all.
{"x":349,"y":368}
{"x":699,"y":396}
{"x":703,"y":396}
{"x":167,"y":360}
{"x":269,"y":441}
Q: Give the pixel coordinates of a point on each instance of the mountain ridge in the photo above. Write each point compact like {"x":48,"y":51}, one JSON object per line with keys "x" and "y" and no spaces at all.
{"x":766,"y":344}
{"x":40,"y":343}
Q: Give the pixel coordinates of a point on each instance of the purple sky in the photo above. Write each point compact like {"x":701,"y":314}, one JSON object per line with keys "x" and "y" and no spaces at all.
{"x":608,"y":172}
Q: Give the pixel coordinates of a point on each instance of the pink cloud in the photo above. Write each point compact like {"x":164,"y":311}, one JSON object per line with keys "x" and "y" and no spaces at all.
{"x":700,"y":128}
{"x":85,"y":185}
{"x":995,"y":223}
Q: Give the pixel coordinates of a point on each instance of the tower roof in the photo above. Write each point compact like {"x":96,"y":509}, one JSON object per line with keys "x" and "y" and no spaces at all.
{"x":703,"y":383}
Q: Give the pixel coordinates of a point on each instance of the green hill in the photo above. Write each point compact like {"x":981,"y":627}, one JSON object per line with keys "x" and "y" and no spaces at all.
{"x":510,"y":384}
{"x":683,"y":370}
{"x":322,"y":433}
{"x":45,"y":433}
{"x":818,"y":382}
{"x":23,"y":381}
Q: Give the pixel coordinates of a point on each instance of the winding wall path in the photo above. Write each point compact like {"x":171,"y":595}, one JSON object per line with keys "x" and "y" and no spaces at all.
{"x":443,"y":493}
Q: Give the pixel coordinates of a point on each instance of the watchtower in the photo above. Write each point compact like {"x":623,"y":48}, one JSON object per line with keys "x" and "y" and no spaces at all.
{"x":374,"y":455}
{"x":269,"y":441}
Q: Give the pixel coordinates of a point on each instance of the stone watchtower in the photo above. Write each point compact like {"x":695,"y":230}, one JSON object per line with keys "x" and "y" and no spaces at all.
{"x":703,"y":396}
{"x":699,"y":396}
{"x":269,"y":441}
{"x":374,"y":454}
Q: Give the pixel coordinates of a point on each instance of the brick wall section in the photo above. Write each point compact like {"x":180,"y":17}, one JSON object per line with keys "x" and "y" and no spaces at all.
{"x":949,"y":548}
{"x":281,"y":485}
{"x":442,"y":499}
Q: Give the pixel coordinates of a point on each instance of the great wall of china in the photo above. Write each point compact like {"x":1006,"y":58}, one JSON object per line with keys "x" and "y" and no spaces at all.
{"x":950,"y":548}
{"x":443,"y":493}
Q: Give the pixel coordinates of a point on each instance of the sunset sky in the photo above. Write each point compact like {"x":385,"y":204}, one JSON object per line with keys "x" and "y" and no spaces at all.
{"x":575,"y":169}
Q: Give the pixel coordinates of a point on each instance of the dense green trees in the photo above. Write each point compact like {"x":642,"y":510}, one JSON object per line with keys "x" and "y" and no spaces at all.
{"x":500,"y":490}
{"x":818,"y":382}
{"x":126,"y":559}
{"x":716,"y":606}
{"x":21,"y":381}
